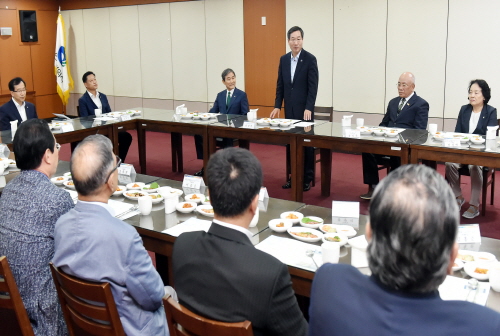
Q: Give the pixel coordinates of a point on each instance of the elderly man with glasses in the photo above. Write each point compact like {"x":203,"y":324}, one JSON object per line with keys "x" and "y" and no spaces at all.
{"x":17,"y":108}
{"x":30,"y":206}
{"x":92,"y":244}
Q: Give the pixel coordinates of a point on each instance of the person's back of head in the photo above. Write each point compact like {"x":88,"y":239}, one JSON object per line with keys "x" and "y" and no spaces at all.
{"x":414,"y":223}
{"x":32,"y":140}
{"x":234,"y":179}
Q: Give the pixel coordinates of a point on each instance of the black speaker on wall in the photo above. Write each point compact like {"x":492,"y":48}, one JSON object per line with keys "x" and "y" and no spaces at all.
{"x":27,"y":20}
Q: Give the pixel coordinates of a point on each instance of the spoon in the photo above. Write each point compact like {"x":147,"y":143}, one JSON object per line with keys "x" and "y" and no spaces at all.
{"x":310,"y":253}
{"x":472,"y":284}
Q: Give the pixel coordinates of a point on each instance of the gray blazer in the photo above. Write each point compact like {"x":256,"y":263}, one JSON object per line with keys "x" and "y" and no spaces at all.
{"x":93,"y":245}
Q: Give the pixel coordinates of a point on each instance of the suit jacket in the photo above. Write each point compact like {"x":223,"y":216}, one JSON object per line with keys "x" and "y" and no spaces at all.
{"x":414,"y":113}
{"x":221,"y":275}
{"x":9,"y":112}
{"x":488,"y":117}
{"x":93,"y":245}
{"x":237,"y":105}
{"x":299,"y":95}
{"x":87,"y":106}
{"x":346,"y":302}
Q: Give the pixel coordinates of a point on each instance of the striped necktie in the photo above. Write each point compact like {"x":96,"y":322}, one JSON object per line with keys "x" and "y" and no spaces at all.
{"x":400,"y":107}
{"x":228,"y":98}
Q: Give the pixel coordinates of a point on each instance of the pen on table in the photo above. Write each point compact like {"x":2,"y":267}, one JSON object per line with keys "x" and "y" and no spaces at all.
{"x":264,"y":229}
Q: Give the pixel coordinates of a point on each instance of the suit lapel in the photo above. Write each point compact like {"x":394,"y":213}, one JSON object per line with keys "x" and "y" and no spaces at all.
{"x":90,"y":100}
{"x":286,"y":68}
{"x":233,"y":97}
{"x":16,"y":112}
{"x":482,"y":118}
{"x":299,"y":66}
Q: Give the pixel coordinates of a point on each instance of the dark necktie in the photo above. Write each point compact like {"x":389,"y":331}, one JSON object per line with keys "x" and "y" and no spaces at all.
{"x":228,"y":98}
{"x":400,"y":107}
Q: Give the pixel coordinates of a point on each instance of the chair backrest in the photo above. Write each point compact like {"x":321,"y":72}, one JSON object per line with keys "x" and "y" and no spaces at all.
{"x":13,"y":317}
{"x":88,"y":307}
{"x":183,"y":322}
{"x":323,"y":113}
{"x":78,"y":110}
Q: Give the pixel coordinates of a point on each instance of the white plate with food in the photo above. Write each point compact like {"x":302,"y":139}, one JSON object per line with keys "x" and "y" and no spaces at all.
{"x":212,"y":115}
{"x":186,"y":207}
{"x":67,"y":174}
{"x":280,"y":225}
{"x":115,"y":115}
{"x":311,"y":222}
{"x":119,"y":190}
{"x":478,"y":270}
{"x":285,"y":123}
{"x":135,"y":185}
{"x":205,"y":117}
{"x":392,"y":132}
{"x":462,"y":137}
{"x":133,"y":112}
{"x":69,"y":184}
{"x":477,"y":140}
{"x":134,"y":195}
{"x":305,"y":234}
{"x":457,"y":265}
{"x":198,"y":198}
{"x":274,"y":122}
{"x":379,"y":131}
{"x":196,"y":116}
{"x":294,"y":216}
{"x":365,"y":130}
{"x":468,"y":256}
{"x":346,"y":230}
{"x":335,"y":238}
{"x":187,"y":116}
{"x":157,"y":198}
{"x":59,"y":180}
{"x":12,"y":163}
{"x":4,"y":162}
{"x":205,"y":210}
{"x":151,"y":188}
{"x":206,"y":201}
{"x":263,"y":121}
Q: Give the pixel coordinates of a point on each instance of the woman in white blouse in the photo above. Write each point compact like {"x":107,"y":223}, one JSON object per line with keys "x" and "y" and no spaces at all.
{"x":472,"y":118}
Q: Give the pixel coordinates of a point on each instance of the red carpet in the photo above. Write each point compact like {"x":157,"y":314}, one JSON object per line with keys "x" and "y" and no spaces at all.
{"x":347,"y":175}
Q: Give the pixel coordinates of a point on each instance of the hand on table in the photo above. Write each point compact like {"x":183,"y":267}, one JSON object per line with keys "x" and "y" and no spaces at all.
{"x":275,"y":113}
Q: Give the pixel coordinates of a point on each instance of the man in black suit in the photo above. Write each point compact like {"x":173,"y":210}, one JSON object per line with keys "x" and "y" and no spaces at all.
{"x":298,"y":86}
{"x":92,"y":100}
{"x":219,"y":274}
{"x":16,"y":108}
{"x":405,"y":111}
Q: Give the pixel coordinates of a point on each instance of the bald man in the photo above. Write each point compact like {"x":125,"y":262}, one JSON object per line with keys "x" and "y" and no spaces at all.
{"x":91,"y":244}
{"x":405,"y":111}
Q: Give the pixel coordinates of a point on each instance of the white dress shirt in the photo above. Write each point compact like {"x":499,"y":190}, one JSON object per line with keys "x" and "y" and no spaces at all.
{"x":474,"y":119}
{"x":234,"y":227}
{"x":293,"y":63}
{"x":406,"y":100}
{"x":104,"y":205}
{"x":231,"y":92}
{"x":96,"y":99}
{"x":21,"y":109}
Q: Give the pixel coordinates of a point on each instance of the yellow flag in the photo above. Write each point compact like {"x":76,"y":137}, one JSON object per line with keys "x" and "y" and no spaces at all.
{"x":61,"y":66}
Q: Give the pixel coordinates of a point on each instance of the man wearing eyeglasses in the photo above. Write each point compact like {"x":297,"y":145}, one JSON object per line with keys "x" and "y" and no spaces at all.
{"x":405,"y":111}
{"x":16,"y":108}
{"x":92,"y":244}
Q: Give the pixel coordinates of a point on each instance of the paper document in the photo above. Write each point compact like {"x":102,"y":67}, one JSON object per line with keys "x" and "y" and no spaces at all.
{"x":304,"y":124}
{"x":105,"y":118}
{"x":192,"y":224}
{"x":454,"y":288}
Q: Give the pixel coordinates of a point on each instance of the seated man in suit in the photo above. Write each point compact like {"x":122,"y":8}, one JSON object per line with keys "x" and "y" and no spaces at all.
{"x":17,"y":108}
{"x":92,"y":100}
{"x":229,"y":101}
{"x":406,"y":111}
{"x":412,"y":247}
{"x":91,"y":244}
{"x":219,"y":274}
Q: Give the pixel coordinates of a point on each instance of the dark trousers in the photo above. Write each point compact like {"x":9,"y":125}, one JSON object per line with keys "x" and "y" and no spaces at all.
{"x":370,"y":166}
{"x":221,"y":142}
{"x":308,"y":163}
{"x":124,"y":142}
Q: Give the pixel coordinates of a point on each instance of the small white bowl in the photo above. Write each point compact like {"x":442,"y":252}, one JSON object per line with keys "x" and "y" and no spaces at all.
{"x":156,"y":198}
{"x":69,"y":184}
{"x":317,"y":233}
{"x":206,"y":201}
{"x":286,"y":224}
{"x":263,"y":121}
{"x":196,"y":117}
{"x":470,"y":269}
{"x":342,"y":241}
{"x":285,"y":215}
{"x":58,"y":180}
{"x":379,"y":131}
{"x":67,"y":174}
{"x":345,"y":230}
{"x":119,"y":192}
{"x":477,"y":140}
{"x":316,"y":225}
{"x":130,"y":194}
{"x":391,"y":132}
{"x":201,"y":209}
{"x":180,"y":207}
{"x":12,"y":164}
{"x":459,"y":265}
{"x":146,"y":189}
{"x":135,"y":185}
{"x":274,"y":122}
{"x":198,"y":198}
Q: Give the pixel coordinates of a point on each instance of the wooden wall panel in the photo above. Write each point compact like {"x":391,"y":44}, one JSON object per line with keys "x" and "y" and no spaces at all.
{"x":48,"y":104}
{"x":86,"y":4}
{"x":264,"y":45}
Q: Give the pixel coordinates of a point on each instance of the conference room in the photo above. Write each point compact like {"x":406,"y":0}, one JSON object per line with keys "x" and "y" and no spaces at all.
{"x":156,"y":56}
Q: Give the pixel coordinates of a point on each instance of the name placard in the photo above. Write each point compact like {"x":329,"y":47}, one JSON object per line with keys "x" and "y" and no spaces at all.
{"x":193,"y":182}
{"x":263,"y":193}
{"x":352,"y":133}
{"x":451,"y":143}
{"x":126,"y":169}
{"x":248,"y":124}
{"x":469,"y":233}
{"x":125,"y":117}
{"x":67,"y":128}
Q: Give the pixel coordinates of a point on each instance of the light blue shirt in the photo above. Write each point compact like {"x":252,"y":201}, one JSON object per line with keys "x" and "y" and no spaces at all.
{"x":293,"y":64}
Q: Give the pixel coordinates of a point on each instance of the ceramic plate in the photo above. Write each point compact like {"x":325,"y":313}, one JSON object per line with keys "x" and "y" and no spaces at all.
{"x":305,"y":234}
{"x":205,"y":210}
{"x":135,"y":185}
{"x":186,"y":207}
{"x":311,"y":222}
{"x":294,"y":216}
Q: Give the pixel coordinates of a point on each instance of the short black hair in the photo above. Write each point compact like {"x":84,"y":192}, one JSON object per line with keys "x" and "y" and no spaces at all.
{"x":485,"y":89}
{"x":15,"y":81}
{"x":293,"y":30}
{"x":227,"y":72}
{"x":32,"y":139}
{"x":85,"y":75}
{"x":234,"y":178}
{"x":414,"y":221}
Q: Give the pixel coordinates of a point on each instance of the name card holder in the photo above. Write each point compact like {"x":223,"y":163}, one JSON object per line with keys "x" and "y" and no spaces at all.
{"x":352,"y":133}
{"x":125,"y":117}
{"x":451,"y":143}
{"x":469,"y":234}
{"x":126,"y":169}
{"x":124,"y":179}
{"x":248,"y":125}
{"x":67,"y":128}
{"x":193,"y":182}
{"x":263,"y":193}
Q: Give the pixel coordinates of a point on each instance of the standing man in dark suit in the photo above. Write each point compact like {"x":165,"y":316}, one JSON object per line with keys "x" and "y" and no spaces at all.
{"x":92,"y":100}
{"x":298,"y":86}
{"x":406,"y":111}
{"x":219,"y":274}
{"x":17,"y":108}
{"x":229,"y":101}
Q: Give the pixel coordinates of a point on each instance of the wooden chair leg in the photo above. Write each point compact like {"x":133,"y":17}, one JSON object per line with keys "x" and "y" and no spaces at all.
{"x":288,"y":168}
{"x":484,"y":192}
{"x":492,"y":186}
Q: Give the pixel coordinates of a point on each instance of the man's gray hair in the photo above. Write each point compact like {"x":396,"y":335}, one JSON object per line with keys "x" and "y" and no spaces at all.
{"x":90,"y":164}
{"x":227,"y":72}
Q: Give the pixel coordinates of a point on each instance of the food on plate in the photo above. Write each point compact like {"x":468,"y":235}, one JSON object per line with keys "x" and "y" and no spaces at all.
{"x":335,"y":239}
{"x":455,"y":264}
{"x":329,"y":229}
{"x":304,"y":234}
{"x":310,"y":221}
{"x":187,"y":206}
{"x":60,"y":178}
{"x":292,"y":216}
{"x":70,"y":183}
{"x":135,"y":194}
{"x":118,"y":189}
{"x":135,"y":185}
{"x":465,"y":257}
{"x":194,"y":197}
{"x":155,"y":196}
{"x":280,"y":224}
{"x":209,"y":211}
{"x":207,"y":199}
{"x":481,"y":270}
{"x":153,"y":185}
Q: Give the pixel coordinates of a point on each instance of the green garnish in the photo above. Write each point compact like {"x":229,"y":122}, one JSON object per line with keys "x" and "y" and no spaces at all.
{"x":307,"y":220}
{"x":153,"y":185}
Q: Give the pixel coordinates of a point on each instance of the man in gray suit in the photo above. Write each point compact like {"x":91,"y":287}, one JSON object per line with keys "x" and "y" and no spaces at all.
{"x":91,"y":244}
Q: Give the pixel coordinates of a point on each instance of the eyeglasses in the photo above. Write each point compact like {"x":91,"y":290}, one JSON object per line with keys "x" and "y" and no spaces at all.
{"x":403,"y":85}
{"x":119,"y":162}
{"x":58,"y":146}
{"x":20,"y":90}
